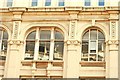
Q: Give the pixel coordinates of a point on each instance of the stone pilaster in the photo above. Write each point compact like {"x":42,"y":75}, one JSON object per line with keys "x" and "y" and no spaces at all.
{"x":72,"y":48}
{"x":112,"y":63}
{"x":13,"y":62}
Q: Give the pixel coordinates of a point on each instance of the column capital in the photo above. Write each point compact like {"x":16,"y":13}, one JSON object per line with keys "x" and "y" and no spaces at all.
{"x":112,"y":42}
{"x":72,"y":42}
{"x":15,"y":42}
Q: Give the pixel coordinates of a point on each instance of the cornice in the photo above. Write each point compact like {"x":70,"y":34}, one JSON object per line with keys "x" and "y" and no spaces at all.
{"x":59,"y":9}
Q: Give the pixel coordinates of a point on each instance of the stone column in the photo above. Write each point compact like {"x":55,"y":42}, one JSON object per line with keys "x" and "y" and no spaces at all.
{"x":13,"y":60}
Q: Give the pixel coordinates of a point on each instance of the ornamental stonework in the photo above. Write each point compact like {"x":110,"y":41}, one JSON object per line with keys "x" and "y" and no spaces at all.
{"x":72,"y":30}
{"x":16,"y":30}
{"x":15,"y":42}
{"x":73,"y":42}
{"x":113,"y":29}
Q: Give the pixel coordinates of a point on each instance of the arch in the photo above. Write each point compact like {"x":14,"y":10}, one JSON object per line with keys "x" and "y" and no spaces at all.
{"x":98,"y":26}
{"x":32,"y":25}
{"x":8,"y":31}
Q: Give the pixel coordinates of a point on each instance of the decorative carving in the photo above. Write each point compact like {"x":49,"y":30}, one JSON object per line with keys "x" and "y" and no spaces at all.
{"x":15,"y":42}
{"x":73,"y":42}
{"x":16,"y":30}
{"x":72,"y":29}
{"x":113,"y":29}
{"x":112,"y":42}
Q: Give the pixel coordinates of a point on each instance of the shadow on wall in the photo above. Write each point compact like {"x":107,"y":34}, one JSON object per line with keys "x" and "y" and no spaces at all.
{"x":119,"y":41}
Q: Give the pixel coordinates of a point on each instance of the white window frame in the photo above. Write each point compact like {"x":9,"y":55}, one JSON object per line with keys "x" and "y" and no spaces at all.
{"x":37,"y":39}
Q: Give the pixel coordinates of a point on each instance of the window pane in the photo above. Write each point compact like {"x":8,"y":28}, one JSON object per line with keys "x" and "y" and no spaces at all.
{"x":58,"y":50}
{"x":87,"y":3}
{"x":61,"y":3}
{"x":58,"y":35}
{"x":101,"y":45}
{"x":34,"y":2}
{"x":93,"y":47}
{"x":44,"y":50}
{"x":101,"y":56}
{"x":86,"y":36}
{"x":85,"y":47}
{"x":9,"y":2}
{"x":100,"y":35}
{"x":93,"y":35}
{"x":47,"y":2}
{"x":29,"y":54}
{"x":5,"y":35}
{"x":92,"y":57}
{"x":101,"y":2}
{"x":31,"y":35}
{"x":3,"y":50}
{"x":45,"y":35}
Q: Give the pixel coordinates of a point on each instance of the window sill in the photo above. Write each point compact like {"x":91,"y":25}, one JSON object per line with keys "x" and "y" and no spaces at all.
{"x":91,"y":64}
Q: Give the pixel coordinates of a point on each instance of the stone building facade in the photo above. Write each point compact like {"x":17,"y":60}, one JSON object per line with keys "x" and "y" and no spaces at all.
{"x":59,"y":39}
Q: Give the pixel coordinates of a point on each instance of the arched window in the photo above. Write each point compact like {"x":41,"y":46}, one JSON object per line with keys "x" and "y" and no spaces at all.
{"x":44,"y":44}
{"x":93,"y":45}
{"x":3,"y":43}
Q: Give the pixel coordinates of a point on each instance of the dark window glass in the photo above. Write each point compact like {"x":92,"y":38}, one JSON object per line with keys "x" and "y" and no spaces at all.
{"x":29,"y":54}
{"x":45,"y":35}
{"x":3,"y":44}
{"x":32,"y":35}
{"x":44,"y":50}
{"x":58,"y":35}
{"x":58,"y":50}
{"x":30,"y":46}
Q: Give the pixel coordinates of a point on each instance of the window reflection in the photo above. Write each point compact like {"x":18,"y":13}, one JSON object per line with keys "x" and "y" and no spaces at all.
{"x":58,"y":50}
{"x":30,"y":46}
{"x":45,"y":35}
{"x":29,"y":54}
{"x":44,"y":50}
{"x":58,"y":46}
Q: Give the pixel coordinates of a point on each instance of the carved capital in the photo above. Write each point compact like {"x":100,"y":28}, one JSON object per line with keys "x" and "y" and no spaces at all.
{"x":72,"y":42}
{"x":15,"y":42}
{"x":112,"y":42}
